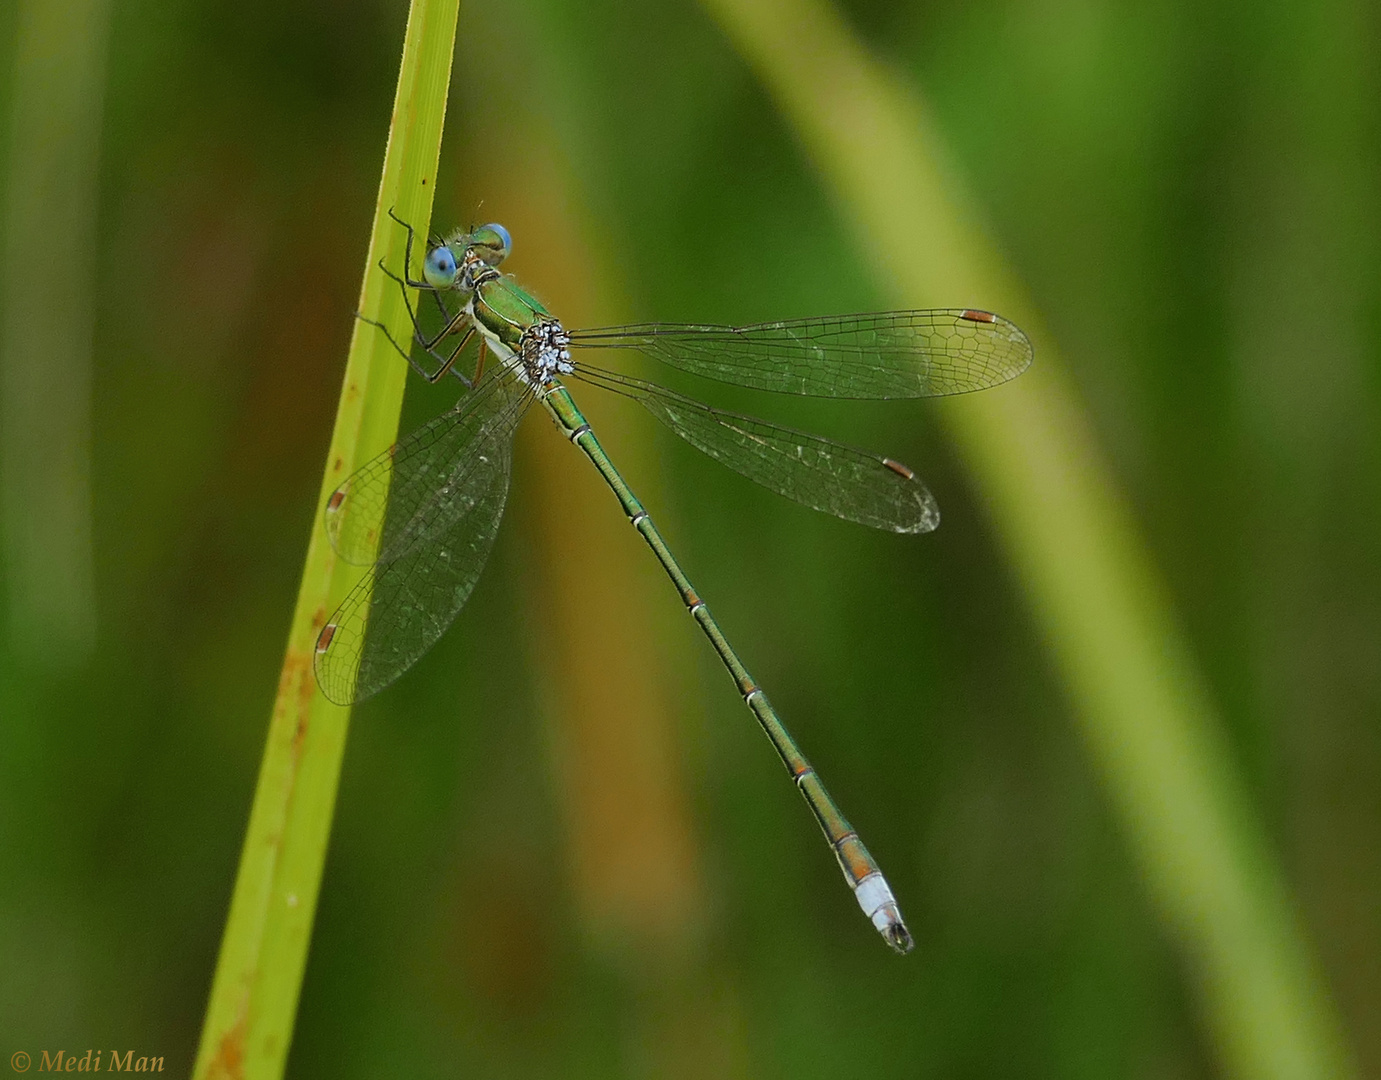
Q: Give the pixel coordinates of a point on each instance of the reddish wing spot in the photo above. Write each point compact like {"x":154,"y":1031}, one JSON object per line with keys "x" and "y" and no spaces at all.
{"x":979,"y":316}
{"x":323,"y":641}
{"x":898,"y":468}
{"x":337,"y":497}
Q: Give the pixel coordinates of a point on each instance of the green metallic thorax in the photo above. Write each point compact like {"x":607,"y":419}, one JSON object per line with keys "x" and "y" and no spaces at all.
{"x":504,"y":309}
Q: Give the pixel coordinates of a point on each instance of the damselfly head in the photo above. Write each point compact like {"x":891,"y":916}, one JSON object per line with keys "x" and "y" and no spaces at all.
{"x":439,"y":267}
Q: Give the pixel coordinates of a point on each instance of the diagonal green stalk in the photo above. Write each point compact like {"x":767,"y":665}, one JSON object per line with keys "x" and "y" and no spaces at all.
{"x":249,"y":1019}
{"x":51,"y":192}
{"x":1097,"y":600}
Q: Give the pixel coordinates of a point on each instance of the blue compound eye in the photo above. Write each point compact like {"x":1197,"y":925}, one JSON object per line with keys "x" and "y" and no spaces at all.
{"x":439,"y":267}
{"x":492,"y":242}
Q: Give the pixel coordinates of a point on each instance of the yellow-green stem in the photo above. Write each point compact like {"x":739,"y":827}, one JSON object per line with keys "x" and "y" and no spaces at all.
{"x":1097,"y":600}
{"x":249,"y":1019}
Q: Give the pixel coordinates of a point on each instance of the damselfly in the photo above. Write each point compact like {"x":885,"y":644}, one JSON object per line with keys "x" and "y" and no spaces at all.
{"x":424,"y":514}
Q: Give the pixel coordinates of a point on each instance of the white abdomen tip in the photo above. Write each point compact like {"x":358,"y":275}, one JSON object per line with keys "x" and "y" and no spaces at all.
{"x":875,"y":897}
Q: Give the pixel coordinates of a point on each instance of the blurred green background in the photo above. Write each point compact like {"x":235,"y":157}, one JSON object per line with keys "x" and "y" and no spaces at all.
{"x":561,"y":847}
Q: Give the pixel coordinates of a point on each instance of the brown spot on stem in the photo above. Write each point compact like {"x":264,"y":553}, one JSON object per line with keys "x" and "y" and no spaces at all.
{"x":229,"y":1061}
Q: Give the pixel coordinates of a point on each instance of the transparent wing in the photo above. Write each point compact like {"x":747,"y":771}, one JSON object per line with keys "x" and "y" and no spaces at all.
{"x":403,"y":494}
{"x":822,"y":474}
{"x":409,"y":598}
{"x":892,"y":354}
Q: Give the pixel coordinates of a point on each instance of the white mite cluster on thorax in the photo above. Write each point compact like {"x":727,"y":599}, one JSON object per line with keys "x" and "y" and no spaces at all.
{"x":545,"y":351}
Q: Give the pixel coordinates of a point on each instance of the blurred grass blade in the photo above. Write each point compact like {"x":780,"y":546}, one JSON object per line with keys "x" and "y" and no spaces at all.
{"x":46,"y":327}
{"x":249,"y":1019}
{"x":1097,"y":600}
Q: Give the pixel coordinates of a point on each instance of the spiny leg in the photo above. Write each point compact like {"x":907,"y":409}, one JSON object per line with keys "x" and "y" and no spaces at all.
{"x":447,"y":362}
{"x":407,"y":257}
{"x":452,"y":322}
{"x":479,"y":364}
{"x":446,"y":316}
{"x":452,"y":326}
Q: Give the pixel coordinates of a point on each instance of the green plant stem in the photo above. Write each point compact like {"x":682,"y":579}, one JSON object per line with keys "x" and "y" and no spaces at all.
{"x":1096,"y":598}
{"x":249,"y":1019}
{"x":51,"y":197}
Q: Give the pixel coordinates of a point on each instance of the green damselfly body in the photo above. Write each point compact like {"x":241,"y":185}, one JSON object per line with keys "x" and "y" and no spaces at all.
{"x":423,"y":515}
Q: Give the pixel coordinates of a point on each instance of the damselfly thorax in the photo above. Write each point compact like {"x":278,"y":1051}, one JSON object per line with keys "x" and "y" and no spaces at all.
{"x":515,"y":327}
